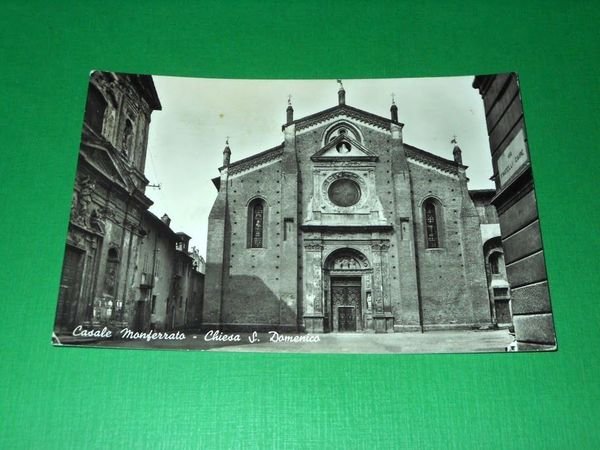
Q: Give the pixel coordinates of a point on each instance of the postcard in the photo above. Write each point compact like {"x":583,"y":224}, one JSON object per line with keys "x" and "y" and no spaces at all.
{"x":315,"y":216}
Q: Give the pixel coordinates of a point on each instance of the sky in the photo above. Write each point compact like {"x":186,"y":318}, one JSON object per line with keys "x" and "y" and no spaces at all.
{"x":187,"y":137}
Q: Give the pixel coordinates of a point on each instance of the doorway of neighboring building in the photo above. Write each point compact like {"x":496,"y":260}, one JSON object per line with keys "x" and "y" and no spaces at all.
{"x":70,"y":288}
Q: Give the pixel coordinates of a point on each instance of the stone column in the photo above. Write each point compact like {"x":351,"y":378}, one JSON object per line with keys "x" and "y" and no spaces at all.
{"x":313,"y":288}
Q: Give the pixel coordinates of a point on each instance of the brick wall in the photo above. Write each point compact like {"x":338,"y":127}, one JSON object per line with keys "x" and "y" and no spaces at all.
{"x":452,"y":277}
{"x":253,"y":282}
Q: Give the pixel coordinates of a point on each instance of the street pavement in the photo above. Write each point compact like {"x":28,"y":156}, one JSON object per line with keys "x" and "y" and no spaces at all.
{"x":428,"y":342}
{"x":413,"y":342}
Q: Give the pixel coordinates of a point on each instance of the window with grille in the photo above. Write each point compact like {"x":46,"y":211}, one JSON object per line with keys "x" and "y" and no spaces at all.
{"x":256,"y":225}
{"x":431,"y":225}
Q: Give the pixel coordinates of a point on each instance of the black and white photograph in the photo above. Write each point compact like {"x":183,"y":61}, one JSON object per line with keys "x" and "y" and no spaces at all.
{"x":317,"y":216}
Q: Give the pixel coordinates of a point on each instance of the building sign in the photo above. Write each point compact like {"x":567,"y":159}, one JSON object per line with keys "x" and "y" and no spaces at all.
{"x":513,"y":158}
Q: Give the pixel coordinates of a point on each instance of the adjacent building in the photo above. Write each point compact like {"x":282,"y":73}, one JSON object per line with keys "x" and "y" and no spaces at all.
{"x":169,"y":282}
{"x":516,"y":206}
{"x":493,"y":256}
{"x":123,"y":267}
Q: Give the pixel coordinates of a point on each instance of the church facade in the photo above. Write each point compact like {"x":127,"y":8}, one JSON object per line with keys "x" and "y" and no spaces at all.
{"x":344,"y":228}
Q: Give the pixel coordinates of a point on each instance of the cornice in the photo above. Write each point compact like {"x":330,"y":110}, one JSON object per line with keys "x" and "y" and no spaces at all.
{"x":254,"y":161}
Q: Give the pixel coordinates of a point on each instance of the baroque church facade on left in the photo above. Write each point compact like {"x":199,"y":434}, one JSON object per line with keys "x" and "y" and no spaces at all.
{"x":123,"y":266}
{"x":345,"y":227}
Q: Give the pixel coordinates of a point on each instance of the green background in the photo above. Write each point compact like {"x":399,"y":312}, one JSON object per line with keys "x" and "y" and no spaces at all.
{"x":90,"y":398}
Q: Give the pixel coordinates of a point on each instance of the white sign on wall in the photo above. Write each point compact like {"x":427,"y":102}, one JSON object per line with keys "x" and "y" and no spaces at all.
{"x":512,"y":158}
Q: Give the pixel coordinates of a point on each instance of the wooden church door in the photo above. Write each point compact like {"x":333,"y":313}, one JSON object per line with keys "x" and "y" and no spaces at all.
{"x":345,"y":297}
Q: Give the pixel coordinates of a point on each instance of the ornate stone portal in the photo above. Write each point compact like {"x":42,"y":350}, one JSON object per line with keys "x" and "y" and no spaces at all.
{"x":351,"y":294}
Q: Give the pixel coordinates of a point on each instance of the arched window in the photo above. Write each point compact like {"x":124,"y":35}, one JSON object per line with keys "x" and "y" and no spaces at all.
{"x":127,"y":137}
{"x":432,"y":225}
{"x":256,"y":223}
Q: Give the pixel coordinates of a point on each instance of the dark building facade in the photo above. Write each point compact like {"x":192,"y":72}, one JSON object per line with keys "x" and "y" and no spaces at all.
{"x":344,"y":227}
{"x":112,"y":244}
{"x":516,"y":205}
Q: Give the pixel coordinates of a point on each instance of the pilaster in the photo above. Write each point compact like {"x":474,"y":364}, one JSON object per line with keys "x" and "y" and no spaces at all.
{"x":405,"y":304}
{"x":290,"y":293}
{"x":472,"y":251}
{"x":217,"y":256}
{"x":314,"y":317}
{"x":382,"y":316}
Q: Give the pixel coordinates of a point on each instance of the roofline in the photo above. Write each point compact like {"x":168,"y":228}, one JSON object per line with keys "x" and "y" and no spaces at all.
{"x":149,"y":90}
{"x":177,"y":236}
{"x":156,"y":219}
{"x":450,"y":162}
{"x":426,"y":154}
{"x":144,"y":84}
{"x":482,"y":191}
{"x":484,"y":194}
{"x":344,"y":106}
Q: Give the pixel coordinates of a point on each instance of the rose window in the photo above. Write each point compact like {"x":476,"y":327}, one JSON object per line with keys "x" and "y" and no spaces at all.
{"x":344,"y":192}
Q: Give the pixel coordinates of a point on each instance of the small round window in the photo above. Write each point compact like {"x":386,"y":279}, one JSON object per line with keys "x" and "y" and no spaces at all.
{"x":344,"y":192}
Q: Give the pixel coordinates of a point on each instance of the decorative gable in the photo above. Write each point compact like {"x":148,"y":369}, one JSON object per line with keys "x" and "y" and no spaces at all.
{"x":348,"y":111}
{"x":98,"y":153}
{"x":343,"y":148}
